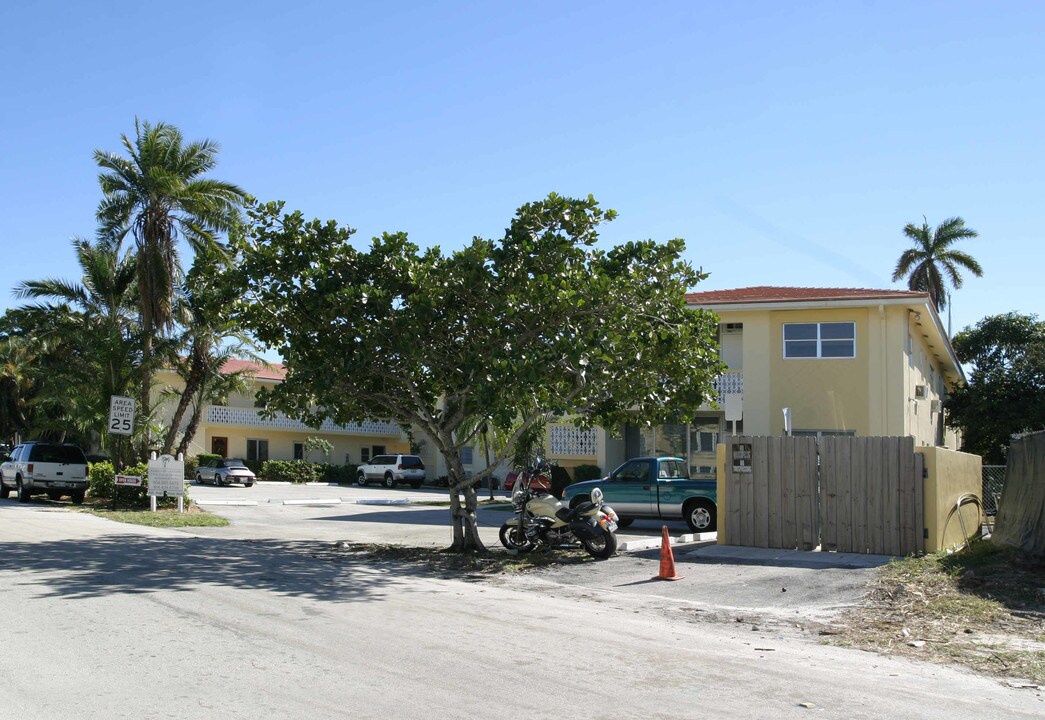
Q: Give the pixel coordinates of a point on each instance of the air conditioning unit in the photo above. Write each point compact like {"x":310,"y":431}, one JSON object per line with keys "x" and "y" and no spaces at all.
{"x":920,"y":392}
{"x":936,"y":406}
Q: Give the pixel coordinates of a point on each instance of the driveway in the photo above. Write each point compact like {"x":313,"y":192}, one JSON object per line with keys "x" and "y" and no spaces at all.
{"x":758,"y":586}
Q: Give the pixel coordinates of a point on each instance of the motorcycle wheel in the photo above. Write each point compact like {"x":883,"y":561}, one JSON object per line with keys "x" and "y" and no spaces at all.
{"x":601,"y":547}
{"x":513,"y":538}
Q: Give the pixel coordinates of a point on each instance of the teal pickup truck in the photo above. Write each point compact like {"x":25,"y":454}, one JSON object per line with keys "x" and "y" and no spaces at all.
{"x":654,"y":487}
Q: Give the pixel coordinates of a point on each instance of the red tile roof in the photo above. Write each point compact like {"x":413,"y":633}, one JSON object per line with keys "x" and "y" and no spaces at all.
{"x":261,"y":371}
{"x":771,"y":294}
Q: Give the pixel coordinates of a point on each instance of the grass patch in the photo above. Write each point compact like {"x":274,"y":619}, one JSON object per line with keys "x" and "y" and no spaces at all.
{"x":983,"y":608}
{"x":496,"y":561}
{"x":163,"y":517}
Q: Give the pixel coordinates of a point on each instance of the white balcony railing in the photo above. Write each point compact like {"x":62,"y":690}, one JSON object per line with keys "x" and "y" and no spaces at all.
{"x":567,"y":440}
{"x":729,"y":383}
{"x":251,"y":417}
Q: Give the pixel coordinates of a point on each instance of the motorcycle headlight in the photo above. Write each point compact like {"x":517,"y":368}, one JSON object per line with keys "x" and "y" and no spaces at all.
{"x":517,"y":496}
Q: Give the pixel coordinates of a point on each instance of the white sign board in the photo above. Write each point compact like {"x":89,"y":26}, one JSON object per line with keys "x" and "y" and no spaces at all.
{"x":131,"y":480}
{"x":121,"y":415}
{"x":166,"y":477}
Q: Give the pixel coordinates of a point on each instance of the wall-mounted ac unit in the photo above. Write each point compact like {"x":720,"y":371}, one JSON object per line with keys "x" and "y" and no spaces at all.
{"x":920,"y":392}
{"x":936,"y":406}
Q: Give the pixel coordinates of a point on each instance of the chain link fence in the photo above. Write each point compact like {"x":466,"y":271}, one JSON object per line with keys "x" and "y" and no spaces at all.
{"x":993,"y":484}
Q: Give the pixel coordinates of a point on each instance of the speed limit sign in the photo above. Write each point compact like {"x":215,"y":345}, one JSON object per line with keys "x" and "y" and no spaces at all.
{"x":121,"y":415}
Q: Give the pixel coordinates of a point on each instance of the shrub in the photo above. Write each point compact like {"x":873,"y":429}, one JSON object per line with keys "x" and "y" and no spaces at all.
{"x":294,"y":471}
{"x":340,"y":474}
{"x":582,"y":473}
{"x":255,"y":466}
{"x":101,"y":481}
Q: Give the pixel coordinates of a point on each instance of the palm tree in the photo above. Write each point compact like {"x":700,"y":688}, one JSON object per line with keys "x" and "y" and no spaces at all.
{"x":158,"y":194}
{"x":86,"y":343}
{"x":932,"y":261}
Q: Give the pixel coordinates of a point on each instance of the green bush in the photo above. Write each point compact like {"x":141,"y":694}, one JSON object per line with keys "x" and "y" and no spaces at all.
{"x":582,"y":473}
{"x":340,"y":474}
{"x":101,"y":480}
{"x":293,"y":471}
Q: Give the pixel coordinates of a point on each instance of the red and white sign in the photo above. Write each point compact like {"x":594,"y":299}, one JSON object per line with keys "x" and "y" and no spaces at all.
{"x":135,"y":480}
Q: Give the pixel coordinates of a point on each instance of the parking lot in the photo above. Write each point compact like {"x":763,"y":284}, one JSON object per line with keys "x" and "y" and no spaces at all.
{"x":369,"y":514}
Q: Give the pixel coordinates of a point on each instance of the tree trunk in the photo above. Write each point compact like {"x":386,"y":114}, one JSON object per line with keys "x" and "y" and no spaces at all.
{"x":192,"y":385}
{"x":462,"y":517}
{"x":192,"y":427}
{"x":144,"y":389}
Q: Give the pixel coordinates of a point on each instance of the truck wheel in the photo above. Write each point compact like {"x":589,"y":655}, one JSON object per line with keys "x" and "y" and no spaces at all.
{"x":361,"y":479}
{"x":4,"y":491}
{"x":390,"y":481}
{"x":23,"y":492}
{"x":700,"y":516}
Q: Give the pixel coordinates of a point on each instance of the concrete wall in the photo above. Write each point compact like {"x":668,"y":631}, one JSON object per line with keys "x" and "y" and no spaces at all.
{"x":950,"y":475}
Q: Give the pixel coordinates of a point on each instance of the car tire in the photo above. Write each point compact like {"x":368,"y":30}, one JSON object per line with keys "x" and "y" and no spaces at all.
{"x":700,"y":516}
{"x":390,"y":481}
{"x":199,"y":479}
{"x":23,"y":492}
{"x":248,"y":484}
{"x":78,"y":496}
{"x":361,"y":480}
{"x":218,"y":480}
{"x":624,"y":522}
{"x":5,"y":491}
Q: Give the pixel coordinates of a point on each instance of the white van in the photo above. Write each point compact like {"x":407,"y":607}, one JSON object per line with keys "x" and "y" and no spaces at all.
{"x":45,"y":467}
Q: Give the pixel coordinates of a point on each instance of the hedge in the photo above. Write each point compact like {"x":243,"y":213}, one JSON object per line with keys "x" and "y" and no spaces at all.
{"x":101,"y":480}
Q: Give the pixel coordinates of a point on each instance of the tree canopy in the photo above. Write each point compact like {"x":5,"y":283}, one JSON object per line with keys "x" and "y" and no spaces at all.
{"x":539,"y":323}
{"x":933,"y":263}
{"x":1006,"y":390}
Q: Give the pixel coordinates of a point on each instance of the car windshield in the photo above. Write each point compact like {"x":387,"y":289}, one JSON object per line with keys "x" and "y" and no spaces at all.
{"x":412,"y":462}
{"x":58,"y":454}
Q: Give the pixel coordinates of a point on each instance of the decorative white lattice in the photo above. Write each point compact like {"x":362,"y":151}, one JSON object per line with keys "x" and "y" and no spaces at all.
{"x":250,"y":417}
{"x":730,"y":383}
{"x":567,"y":440}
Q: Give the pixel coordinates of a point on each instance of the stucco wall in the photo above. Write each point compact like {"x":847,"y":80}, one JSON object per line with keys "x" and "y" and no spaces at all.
{"x":950,"y":475}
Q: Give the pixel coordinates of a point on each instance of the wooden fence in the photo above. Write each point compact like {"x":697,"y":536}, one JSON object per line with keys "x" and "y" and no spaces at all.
{"x":840,"y":493}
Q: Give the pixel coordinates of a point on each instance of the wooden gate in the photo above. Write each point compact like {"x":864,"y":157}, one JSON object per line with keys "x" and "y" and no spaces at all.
{"x":840,"y":493}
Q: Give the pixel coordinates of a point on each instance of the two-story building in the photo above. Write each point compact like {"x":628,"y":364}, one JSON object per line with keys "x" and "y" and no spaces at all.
{"x":815,"y":361}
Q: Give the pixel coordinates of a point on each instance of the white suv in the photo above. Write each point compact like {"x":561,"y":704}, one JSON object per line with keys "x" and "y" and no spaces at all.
{"x":45,"y":467}
{"x":392,"y":470}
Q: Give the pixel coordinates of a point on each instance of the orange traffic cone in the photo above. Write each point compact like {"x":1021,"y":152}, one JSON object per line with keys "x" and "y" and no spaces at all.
{"x":667,"y":559}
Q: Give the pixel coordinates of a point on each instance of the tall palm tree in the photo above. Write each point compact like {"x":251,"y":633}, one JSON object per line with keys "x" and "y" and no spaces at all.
{"x":86,"y":335}
{"x":932,"y":260}
{"x":158,"y":194}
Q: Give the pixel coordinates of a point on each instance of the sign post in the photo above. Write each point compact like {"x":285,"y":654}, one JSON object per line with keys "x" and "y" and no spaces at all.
{"x":167,"y":479}
{"x":121,"y":423}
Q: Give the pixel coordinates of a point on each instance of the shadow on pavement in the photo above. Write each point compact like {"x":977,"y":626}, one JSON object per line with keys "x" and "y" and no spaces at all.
{"x":122,"y":564}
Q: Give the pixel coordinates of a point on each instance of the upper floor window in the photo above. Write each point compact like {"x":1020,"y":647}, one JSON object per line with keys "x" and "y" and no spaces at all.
{"x":820,"y":340}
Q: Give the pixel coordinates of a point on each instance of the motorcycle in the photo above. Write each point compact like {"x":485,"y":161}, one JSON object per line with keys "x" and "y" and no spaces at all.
{"x":541,"y":520}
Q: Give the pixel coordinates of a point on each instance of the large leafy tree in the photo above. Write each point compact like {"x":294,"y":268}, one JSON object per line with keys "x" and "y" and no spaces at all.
{"x":1006,"y":390}
{"x":933,"y":263}
{"x":159,"y":193}
{"x":539,"y":323}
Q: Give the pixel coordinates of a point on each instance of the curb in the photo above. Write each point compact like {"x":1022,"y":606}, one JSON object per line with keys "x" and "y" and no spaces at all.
{"x":225,"y":502}
{"x":652,"y":543}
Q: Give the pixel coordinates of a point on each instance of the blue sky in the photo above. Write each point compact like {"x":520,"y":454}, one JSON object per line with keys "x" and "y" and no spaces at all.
{"x":787,"y":143}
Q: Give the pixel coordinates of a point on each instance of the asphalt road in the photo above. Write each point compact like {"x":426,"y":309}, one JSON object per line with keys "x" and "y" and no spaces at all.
{"x":112,"y":621}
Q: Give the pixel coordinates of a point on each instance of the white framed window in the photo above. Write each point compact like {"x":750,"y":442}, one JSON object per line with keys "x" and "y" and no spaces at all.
{"x":819,"y":340}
